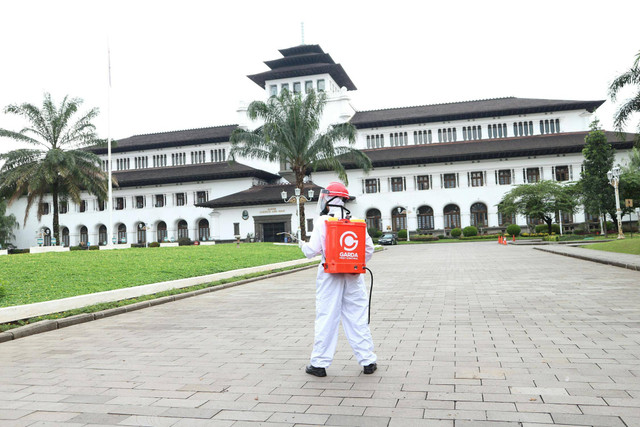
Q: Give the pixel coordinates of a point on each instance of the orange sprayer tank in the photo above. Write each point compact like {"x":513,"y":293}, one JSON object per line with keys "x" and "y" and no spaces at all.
{"x":345,"y":246}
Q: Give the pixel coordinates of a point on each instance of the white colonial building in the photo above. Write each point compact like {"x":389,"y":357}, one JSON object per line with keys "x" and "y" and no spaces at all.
{"x":435,"y":167}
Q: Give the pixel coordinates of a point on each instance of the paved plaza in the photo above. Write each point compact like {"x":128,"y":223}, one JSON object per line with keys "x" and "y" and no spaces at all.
{"x":467,"y":335}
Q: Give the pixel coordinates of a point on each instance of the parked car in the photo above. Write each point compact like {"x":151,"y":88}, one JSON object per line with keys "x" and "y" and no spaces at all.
{"x":388,"y":239}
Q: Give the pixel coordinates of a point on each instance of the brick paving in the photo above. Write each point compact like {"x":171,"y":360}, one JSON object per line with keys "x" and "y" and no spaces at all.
{"x":467,"y":335}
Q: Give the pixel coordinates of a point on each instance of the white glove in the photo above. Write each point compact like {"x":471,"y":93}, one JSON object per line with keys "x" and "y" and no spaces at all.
{"x":301,"y":243}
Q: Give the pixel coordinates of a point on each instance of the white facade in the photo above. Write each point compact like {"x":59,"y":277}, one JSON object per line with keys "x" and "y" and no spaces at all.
{"x":157,"y":212}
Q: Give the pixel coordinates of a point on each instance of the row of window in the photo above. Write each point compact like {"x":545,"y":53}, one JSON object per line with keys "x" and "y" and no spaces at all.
{"x":177,"y":159}
{"x":469,"y":133}
{"x":138,"y":202}
{"x":474,"y":179}
{"x":297,"y":87}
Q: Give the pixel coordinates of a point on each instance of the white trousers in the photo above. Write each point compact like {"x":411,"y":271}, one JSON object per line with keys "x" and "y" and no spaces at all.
{"x":341,"y":297}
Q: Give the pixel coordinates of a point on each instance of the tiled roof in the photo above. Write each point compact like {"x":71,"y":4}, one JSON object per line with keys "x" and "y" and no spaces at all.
{"x":171,"y":139}
{"x":189,"y":173}
{"x":303,"y":60}
{"x":466,"y":110}
{"x":259,"y":195}
{"x":486,"y":149}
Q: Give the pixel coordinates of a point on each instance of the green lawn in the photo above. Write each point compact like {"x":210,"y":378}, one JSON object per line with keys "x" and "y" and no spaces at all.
{"x":626,"y":246}
{"x":33,"y":278}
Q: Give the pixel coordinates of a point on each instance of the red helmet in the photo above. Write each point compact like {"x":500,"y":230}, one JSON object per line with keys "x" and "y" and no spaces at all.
{"x":337,"y":189}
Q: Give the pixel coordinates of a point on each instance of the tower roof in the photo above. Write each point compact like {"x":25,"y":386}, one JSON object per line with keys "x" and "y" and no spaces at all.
{"x":303,"y":60}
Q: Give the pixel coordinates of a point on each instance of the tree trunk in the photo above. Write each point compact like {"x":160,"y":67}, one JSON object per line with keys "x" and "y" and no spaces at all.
{"x":548,"y":221}
{"x":300,"y":184}
{"x":56,"y":219}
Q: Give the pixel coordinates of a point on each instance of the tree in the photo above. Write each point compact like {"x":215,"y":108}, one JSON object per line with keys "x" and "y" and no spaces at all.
{"x":57,"y":165}
{"x":541,"y":200}
{"x":597,"y":194}
{"x":630,"y":178}
{"x":7,"y":224}
{"x":632,"y":105}
{"x":291,"y":134}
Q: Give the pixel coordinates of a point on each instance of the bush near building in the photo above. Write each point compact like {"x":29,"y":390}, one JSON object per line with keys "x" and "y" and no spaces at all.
{"x":456,"y":232}
{"x":513,"y":230}
{"x":470,"y":231}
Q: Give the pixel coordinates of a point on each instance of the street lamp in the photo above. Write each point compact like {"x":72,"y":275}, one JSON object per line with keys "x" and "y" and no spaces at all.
{"x":614,"y":179}
{"x":296,"y":198}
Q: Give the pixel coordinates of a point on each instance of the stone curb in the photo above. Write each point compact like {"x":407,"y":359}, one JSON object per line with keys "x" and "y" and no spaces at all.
{"x":51,"y":325}
{"x":592,"y":259}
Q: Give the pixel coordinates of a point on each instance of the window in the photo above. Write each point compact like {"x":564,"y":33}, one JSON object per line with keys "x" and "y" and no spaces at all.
{"x":203,"y":229}
{"x":375,"y":141}
{"x":159,"y":201}
{"x":372,"y":185}
{"x":84,"y":235}
{"x":321,"y":85}
{"x":236,"y":228}
{"x":101,"y":205}
{"x":451,"y":216}
{"x":532,"y":175}
{"x":504,"y":177}
{"x":218,"y":155}
{"x":142,"y":233}
{"x":504,"y":220}
{"x":421,"y":137}
{"x":471,"y":132}
{"x":64,"y":207}
{"x":201,"y":197}
{"x":178,"y":159}
{"x":161,"y":231}
{"x":198,"y":157}
{"x":102,"y":235}
{"x":398,"y":184}
{"x":139,"y":202}
{"x":159,"y":160}
{"x":273,"y":90}
{"x":567,"y":218}
{"x":449,"y":180}
{"x":120,"y":203}
{"x":423,"y":182}
{"x":522,"y":128}
{"x":374,"y":219}
{"x":141,"y":162}
{"x":65,"y":237}
{"x":83,"y":206}
{"x":549,"y":126}
{"x":476,"y":179}
{"x":561,"y":173}
{"x":296,"y":87}
{"x":479,"y":215}
{"x":183,"y":231}
{"x":308,"y":86}
{"x":447,"y":135}
{"x":284,"y":86}
{"x":122,"y":233}
{"x":44,"y":208}
{"x":425,"y":218}
{"x":497,"y":130}
{"x":398,"y":138}
{"x":309,"y":224}
{"x":398,"y":219}
{"x":180,"y":199}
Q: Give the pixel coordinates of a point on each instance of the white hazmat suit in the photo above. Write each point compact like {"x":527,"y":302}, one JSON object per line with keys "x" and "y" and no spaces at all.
{"x":339,"y":296}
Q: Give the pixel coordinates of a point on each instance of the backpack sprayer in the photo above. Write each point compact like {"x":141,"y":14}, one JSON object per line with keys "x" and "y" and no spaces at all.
{"x":345,"y":249}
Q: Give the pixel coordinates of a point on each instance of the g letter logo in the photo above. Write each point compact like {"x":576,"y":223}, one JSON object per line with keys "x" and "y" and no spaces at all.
{"x":349,"y":241}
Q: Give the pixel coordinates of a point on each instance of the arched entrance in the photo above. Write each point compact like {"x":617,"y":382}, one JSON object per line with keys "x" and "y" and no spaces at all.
{"x":451,"y":216}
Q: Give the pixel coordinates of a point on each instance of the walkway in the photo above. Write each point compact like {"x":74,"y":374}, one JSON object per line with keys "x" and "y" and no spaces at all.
{"x":478,"y":335}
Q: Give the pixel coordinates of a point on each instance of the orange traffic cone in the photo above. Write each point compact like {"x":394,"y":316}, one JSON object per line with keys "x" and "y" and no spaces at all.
{"x":514,"y":237}
{"x":499,"y":240}
{"x":504,"y":242}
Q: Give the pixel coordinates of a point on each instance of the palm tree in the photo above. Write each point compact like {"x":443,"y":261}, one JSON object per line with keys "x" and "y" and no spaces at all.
{"x":290,"y":134}
{"x":631,"y":105}
{"x":57,"y":165}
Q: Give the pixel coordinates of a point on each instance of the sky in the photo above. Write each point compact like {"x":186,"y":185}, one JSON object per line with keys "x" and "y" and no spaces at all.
{"x":183,"y":65}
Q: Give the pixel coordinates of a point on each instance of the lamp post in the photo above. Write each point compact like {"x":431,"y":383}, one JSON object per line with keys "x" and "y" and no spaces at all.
{"x":614,"y":179}
{"x":296,"y":198}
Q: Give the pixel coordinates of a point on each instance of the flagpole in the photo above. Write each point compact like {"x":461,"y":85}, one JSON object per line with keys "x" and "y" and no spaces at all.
{"x":109,"y":163}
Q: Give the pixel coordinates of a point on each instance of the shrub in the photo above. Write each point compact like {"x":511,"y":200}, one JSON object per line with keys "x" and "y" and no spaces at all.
{"x":154,"y":245}
{"x":424,"y":238}
{"x":470,"y":231}
{"x":456,"y":232}
{"x":402,"y":234}
{"x":482,"y":237}
{"x":552,"y":238}
{"x":441,"y":236}
{"x":94,"y":247}
{"x":513,"y":230}
{"x":184,"y":241}
{"x":374,"y":232}
{"x":19,"y":251}
{"x":543,"y":228}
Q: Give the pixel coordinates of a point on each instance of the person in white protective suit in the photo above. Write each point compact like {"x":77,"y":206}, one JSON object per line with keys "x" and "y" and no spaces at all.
{"x":339,"y":296}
